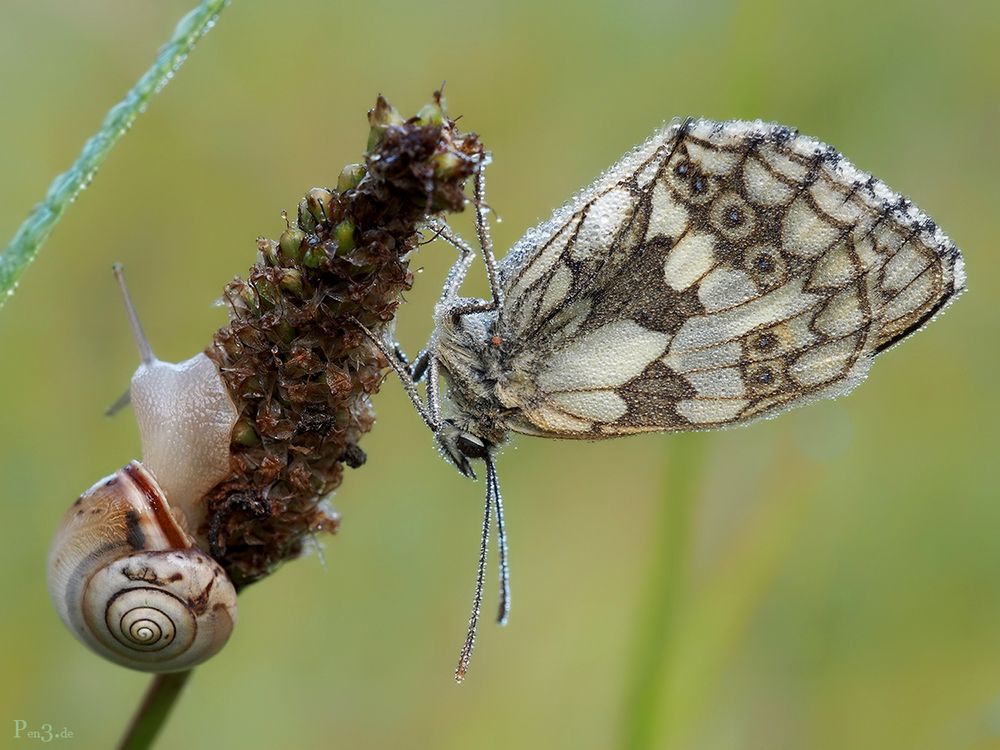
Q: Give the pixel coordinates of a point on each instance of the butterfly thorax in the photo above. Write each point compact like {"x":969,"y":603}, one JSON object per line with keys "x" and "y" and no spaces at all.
{"x":479,"y":365}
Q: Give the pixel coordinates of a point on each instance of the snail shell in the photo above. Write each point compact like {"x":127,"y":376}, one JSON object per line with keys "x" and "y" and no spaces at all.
{"x":130,"y":582}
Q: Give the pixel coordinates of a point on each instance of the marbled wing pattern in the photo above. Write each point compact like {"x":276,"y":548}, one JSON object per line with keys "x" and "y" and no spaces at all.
{"x":719,"y":273}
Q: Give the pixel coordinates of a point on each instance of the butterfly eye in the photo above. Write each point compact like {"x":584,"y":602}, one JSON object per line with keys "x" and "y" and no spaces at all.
{"x":470,"y":446}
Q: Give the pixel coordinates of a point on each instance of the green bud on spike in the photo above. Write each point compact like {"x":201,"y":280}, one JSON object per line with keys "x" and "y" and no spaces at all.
{"x":268,"y":250}
{"x":381,"y":117}
{"x":306,"y":221}
{"x":350,"y":177}
{"x":245,"y":434}
{"x":314,"y":256}
{"x":291,"y":281}
{"x":318,"y":201}
{"x":290,"y":244}
{"x":344,"y":234}
{"x":430,"y":114}
{"x":446,"y":163}
{"x":269,"y":295}
{"x":248,"y":296}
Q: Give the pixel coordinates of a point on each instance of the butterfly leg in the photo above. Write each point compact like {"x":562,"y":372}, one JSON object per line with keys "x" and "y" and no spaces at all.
{"x":460,"y":269}
{"x":418,"y":367}
{"x":486,"y":245}
{"x":486,"y":242}
{"x":397,"y":360}
{"x":425,"y":365}
{"x":434,"y":390}
{"x":412,"y":373}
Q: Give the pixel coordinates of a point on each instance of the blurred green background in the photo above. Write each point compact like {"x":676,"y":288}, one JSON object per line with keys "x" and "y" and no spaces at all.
{"x":827,"y":580}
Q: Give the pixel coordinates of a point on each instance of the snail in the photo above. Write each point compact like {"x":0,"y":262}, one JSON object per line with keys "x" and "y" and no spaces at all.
{"x":125,"y":570}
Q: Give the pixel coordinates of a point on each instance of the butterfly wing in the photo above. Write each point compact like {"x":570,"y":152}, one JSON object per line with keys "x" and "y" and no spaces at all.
{"x":719,"y":273}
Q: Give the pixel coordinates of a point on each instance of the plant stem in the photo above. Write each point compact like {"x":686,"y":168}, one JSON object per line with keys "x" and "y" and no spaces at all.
{"x":663,"y":592}
{"x":152,"y":713}
{"x":31,"y":235}
{"x":686,"y":635}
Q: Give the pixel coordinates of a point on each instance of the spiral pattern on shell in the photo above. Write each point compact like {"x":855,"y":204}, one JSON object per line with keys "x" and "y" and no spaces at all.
{"x":128,"y":581}
{"x":144,"y":625}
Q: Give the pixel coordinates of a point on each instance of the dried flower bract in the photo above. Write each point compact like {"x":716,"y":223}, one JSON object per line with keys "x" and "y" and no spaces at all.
{"x":298,"y":366}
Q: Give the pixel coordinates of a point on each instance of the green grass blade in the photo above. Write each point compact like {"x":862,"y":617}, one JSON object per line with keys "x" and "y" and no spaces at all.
{"x":663,"y":592}
{"x":717,"y":617}
{"x":28,"y":240}
{"x":686,"y":636}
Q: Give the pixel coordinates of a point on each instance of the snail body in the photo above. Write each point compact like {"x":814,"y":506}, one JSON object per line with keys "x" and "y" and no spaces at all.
{"x":125,"y":570}
{"x":186,"y":419}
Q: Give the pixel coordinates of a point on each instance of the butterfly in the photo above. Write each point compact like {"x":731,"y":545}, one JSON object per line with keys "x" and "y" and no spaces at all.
{"x":719,"y":273}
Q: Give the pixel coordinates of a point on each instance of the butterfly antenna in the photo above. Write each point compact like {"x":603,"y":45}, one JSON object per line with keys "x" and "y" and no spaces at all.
{"x":145,"y":350}
{"x":470,"y":638}
{"x":493,"y":483}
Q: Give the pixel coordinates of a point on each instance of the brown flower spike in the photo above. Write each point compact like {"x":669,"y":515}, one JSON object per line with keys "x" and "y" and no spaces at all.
{"x":294,"y":358}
